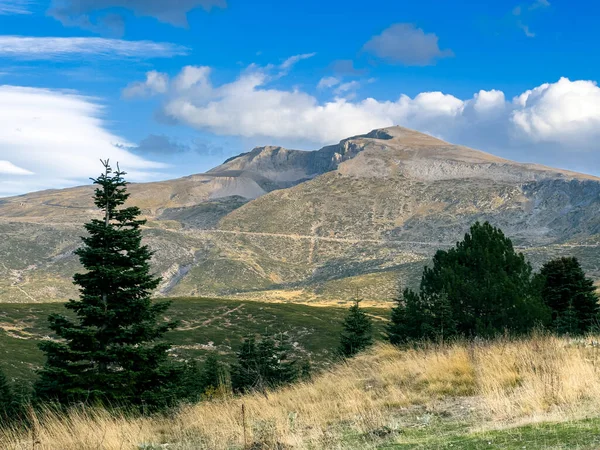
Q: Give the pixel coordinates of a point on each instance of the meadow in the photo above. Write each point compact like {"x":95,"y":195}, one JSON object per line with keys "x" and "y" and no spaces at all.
{"x":205,"y":325}
{"x":538,"y":392}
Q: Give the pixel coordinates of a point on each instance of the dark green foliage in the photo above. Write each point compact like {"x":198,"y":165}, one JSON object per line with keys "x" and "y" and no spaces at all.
{"x":481,"y":287}
{"x":212,"y":373}
{"x":112,"y":351}
{"x":567,"y":321}
{"x":417,"y":316}
{"x":14,"y":400}
{"x":6,"y":398}
{"x":198,"y":381}
{"x":357,"y":332}
{"x":264,"y":364}
{"x":570,"y":295}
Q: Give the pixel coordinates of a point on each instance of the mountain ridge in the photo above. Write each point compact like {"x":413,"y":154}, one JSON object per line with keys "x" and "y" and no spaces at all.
{"x":296,"y":225}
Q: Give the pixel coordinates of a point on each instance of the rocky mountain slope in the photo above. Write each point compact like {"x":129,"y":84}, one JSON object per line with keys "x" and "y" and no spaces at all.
{"x":358,"y":217}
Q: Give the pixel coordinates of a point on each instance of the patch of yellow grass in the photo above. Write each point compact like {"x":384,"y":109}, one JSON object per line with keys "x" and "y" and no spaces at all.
{"x":508,"y":380}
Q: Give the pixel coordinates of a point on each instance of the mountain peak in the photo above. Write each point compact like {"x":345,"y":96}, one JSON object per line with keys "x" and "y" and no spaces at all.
{"x":405,"y":135}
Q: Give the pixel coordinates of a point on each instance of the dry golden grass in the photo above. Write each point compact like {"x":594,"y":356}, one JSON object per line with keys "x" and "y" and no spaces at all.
{"x":505,"y":380}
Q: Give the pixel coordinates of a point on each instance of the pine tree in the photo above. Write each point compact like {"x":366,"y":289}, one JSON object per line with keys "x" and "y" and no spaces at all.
{"x":564,"y":286}
{"x":490,"y":288}
{"x":417,"y":316}
{"x":264,"y":364}
{"x":111,"y":351}
{"x":407,"y":318}
{"x":212,"y":373}
{"x":357,"y":332}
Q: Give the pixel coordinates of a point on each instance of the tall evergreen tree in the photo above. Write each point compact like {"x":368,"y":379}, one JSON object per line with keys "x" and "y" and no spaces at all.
{"x":357,"y":332}
{"x":570,"y":295}
{"x":111,"y":351}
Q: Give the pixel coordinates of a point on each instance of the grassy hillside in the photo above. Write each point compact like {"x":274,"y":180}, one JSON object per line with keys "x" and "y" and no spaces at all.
{"x":206,"y":325}
{"x":536,"y":393}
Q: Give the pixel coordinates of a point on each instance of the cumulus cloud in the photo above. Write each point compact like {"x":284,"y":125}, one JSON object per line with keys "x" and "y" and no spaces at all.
{"x":560,"y":116}
{"x":15,"y":7}
{"x":565,"y":112}
{"x":79,"y":12}
{"x":155,"y":83}
{"x":403,"y":43}
{"x":44,"y":48}
{"x":58,"y":136}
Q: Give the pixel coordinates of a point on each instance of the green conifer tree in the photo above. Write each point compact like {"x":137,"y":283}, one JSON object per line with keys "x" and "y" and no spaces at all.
{"x":212,"y":373}
{"x":490,"y":288}
{"x":567,"y":321}
{"x":357,"y":332}
{"x":264,"y":364}
{"x":569,"y":294}
{"x":407,"y":318}
{"x":112,"y":350}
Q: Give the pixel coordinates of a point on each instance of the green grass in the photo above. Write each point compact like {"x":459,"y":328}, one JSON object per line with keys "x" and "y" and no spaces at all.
{"x":206,"y":325}
{"x":582,"y":434}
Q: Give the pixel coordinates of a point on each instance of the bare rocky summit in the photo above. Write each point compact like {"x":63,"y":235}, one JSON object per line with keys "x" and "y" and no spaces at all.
{"x":365,"y":214}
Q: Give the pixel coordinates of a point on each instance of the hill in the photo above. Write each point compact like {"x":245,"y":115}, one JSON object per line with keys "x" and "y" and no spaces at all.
{"x":510,"y":394}
{"x":206,"y":326}
{"x":358,"y":217}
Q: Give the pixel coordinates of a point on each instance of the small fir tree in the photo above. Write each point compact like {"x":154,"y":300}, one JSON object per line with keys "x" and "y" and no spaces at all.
{"x":112,"y":350}
{"x":212,"y":373}
{"x":570,"y":294}
{"x":264,"y":364}
{"x":357,"y":332}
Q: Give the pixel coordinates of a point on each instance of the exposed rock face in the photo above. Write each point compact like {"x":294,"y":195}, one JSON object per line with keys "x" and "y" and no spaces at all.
{"x":366,"y":213}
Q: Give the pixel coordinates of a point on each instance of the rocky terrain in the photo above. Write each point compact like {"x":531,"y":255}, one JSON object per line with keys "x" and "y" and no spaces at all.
{"x":356,"y":218}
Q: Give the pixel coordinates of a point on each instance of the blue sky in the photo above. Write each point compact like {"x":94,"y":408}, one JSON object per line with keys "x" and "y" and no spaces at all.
{"x":172,"y":88}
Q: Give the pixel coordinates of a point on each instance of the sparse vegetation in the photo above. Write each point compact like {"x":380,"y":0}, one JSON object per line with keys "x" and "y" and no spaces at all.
{"x":456,"y":395}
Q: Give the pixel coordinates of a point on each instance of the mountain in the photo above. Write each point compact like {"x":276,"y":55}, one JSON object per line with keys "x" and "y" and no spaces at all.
{"x":356,"y":218}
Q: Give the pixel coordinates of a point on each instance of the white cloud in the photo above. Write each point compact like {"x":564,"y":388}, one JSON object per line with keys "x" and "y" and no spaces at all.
{"x":44,"y":48}
{"x":328,"y":82}
{"x":191,"y":76}
{"x":155,"y":83}
{"x":6,"y":167}
{"x":293,"y":60}
{"x":403,"y":43}
{"x":564,"y":115}
{"x":567,"y":112}
{"x":59,"y":136}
